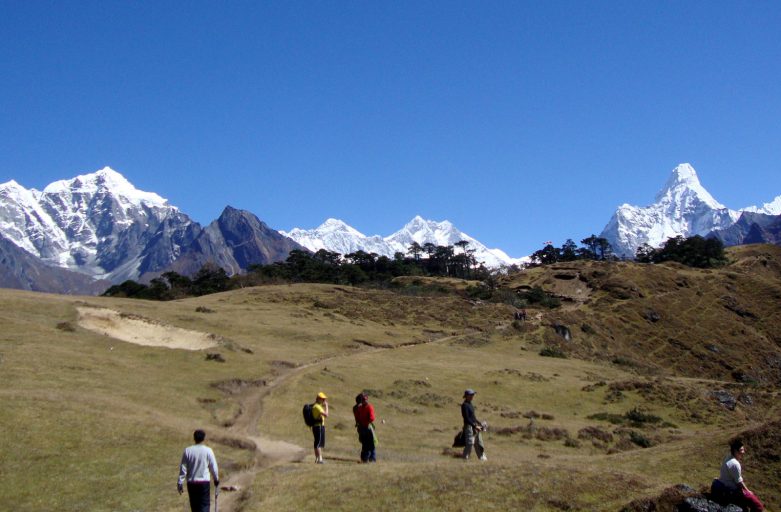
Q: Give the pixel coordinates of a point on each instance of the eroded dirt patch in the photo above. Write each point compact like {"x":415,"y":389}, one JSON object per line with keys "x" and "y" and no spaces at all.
{"x":141,"y":331}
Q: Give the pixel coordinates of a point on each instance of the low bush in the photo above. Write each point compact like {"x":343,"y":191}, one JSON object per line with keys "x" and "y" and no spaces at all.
{"x":553,"y":351}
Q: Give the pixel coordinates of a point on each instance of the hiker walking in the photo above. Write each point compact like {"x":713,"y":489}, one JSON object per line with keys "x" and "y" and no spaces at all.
{"x":319,"y":414}
{"x":364,"y":422}
{"x":472,"y":427}
{"x":198,"y":462}
{"x":729,"y":486}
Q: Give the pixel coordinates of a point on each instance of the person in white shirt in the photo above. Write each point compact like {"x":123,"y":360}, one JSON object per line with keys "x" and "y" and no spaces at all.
{"x":198,"y":463}
{"x":730,"y":487}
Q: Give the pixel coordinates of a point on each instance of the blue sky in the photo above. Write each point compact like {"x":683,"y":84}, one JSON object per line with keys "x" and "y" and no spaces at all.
{"x":520,"y":122}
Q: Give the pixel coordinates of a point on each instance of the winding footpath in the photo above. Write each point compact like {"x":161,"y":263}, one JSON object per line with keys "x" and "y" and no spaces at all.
{"x":269,"y":452}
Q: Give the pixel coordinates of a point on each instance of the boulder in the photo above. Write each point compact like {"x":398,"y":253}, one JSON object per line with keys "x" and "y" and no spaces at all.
{"x":695,"y":504}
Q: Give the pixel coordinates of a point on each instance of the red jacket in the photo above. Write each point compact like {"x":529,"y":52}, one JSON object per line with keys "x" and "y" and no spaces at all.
{"x":364,"y":414}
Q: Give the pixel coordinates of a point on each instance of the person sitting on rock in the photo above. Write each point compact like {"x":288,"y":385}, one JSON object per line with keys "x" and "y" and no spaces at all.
{"x":729,"y":487}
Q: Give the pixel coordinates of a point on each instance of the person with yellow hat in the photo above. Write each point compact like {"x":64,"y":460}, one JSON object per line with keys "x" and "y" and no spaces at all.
{"x":319,"y":413}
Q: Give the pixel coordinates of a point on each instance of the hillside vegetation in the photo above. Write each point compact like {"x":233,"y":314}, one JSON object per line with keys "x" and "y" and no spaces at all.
{"x":655,"y":368}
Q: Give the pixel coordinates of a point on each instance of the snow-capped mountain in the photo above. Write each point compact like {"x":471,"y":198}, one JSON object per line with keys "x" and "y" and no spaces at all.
{"x":771,"y":208}
{"x":96,"y":224}
{"x":336,"y":236}
{"x":683,"y":207}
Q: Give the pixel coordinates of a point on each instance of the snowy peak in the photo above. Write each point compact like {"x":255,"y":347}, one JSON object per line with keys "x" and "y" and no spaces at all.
{"x":771,"y":208}
{"x":682,"y":208}
{"x":425,"y":231}
{"x":338,"y":226}
{"x":683,"y":186}
{"x":337,"y":236}
{"x":105,"y":181}
{"x":97,"y":224}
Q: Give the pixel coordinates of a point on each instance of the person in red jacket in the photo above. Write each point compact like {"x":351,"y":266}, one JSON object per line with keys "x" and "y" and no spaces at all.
{"x":364,"y":422}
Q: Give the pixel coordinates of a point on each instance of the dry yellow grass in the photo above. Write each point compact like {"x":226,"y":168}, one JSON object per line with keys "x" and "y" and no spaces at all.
{"x":90,"y":422}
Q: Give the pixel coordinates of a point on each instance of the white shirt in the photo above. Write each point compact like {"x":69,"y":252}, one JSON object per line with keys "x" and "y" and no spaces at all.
{"x":730,"y":474}
{"x":197,"y":461}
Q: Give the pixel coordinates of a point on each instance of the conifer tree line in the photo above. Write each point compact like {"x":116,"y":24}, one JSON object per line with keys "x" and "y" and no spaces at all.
{"x":593,"y":248}
{"x":323,"y":266}
{"x":362,"y":268}
{"x":694,"y":251}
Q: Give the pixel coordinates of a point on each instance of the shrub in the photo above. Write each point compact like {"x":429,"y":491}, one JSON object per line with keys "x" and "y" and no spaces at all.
{"x":553,"y":351}
{"x":595,"y":433}
{"x":66,"y":326}
{"x":640,"y":440}
{"x":637,"y":417}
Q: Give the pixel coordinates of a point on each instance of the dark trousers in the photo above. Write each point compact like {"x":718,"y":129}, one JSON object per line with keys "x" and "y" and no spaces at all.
{"x":368,"y":450}
{"x":318,"y":432}
{"x":746,"y":499}
{"x":200,"y":497}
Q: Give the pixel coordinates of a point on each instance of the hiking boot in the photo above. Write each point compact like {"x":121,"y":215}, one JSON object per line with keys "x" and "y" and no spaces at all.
{"x":320,"y":462}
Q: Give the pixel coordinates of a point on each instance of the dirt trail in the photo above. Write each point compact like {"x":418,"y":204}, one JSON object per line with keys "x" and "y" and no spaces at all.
{"x":271,"y":452}
{"x":266,"y":452}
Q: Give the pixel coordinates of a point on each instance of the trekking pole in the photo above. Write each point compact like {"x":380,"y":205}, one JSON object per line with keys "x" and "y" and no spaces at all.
{"x":216,"y":495}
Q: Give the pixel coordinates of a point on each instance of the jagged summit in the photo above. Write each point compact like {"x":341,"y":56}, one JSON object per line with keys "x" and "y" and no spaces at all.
{"x":684,"y":185}
{"x":771,"y":208}
{"x":106,"y":180}
{"x":10,"y":184}
{"x":97,"y":224}
{"x":682,"y":207}
{"x":335,"y":225}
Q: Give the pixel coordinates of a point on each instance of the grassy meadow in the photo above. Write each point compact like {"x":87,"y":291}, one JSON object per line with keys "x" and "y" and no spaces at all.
{"x":90,"y":422}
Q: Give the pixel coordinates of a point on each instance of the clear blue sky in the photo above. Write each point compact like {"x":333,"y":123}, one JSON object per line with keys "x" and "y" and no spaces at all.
{"x":519,"y":121}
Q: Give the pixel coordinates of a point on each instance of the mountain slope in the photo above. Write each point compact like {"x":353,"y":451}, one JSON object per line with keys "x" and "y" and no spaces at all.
{"x":718,"y":323}
{"x":236,"y":240}
{"x":20,"y":269}
{"x":751,"y":228}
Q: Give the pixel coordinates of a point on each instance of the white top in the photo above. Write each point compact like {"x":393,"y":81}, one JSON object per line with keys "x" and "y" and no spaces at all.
{"x":731,"y":475}
{"x":197,"y":461}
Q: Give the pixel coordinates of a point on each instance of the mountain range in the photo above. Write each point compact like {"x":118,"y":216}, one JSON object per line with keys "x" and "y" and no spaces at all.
{"x":335,"y":235}
{"x":83,"y":234}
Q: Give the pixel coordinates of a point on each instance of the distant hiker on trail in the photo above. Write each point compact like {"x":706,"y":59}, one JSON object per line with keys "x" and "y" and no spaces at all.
{"x":472,"y":427}
{"x":319,"y":414}
{"x":729,"y":487}
{"x":364,"y":422}
{"x":198,"y":462}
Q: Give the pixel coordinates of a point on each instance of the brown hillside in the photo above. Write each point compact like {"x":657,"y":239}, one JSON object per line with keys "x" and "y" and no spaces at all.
{"x":720,"y":323}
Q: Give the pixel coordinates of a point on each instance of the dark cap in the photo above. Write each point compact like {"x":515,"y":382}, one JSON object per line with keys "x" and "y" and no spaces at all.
{"x":469,"y":392}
